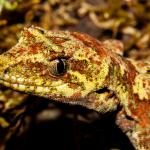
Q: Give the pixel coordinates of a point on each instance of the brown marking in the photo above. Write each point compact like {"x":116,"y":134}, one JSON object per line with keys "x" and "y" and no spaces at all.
{"x":58,"y":40}
{"x":93,"y":61}
{"x":51,"y":55}
{"x":67,"y":78}
{"x":30,"y":37}
{"x":78,"y":65}
{"x":131,"y":72}
{"x":76,"y":96}
{"x":141,"y":109}
{"x":91,"y":42}
{"x":29,"y":65}
{"x":73,"y":85}
{"x":16,"y":52}
{"x":35,"y":48}
{"x":38,"y":67}
{"x":21,"y":50}
{"x":91,"y":58}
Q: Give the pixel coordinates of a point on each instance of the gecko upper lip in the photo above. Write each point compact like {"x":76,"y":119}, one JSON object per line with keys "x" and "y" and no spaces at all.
{"x":25,"y":87}
{"x":12,"y":79}
{"x":18,"y":80}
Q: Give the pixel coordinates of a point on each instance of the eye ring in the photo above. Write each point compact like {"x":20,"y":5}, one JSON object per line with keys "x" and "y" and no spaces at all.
{"x":58,"y":67}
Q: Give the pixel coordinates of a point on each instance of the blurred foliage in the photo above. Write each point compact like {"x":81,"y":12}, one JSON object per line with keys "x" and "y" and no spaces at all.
{"x":9,"y":5}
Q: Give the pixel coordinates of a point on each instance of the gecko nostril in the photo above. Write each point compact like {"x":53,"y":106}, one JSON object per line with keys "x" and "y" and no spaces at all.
{"x":41,"y":31}
{"x":6,"y":71}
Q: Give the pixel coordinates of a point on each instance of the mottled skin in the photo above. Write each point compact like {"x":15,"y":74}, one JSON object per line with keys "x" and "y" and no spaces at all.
{"x":75,"y":68}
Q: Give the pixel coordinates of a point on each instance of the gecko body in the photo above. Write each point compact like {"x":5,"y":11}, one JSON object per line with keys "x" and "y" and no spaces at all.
{"x":75,"y":68}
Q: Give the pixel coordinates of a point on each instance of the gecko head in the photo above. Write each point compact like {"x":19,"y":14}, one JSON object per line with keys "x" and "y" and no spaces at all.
{"x":61,"y":65}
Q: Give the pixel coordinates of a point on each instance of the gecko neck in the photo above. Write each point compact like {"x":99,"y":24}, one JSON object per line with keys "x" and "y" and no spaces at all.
{"x":121,"y":80}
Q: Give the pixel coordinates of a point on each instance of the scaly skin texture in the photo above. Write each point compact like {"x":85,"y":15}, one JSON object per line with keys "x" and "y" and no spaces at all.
{"x":75,"y":68}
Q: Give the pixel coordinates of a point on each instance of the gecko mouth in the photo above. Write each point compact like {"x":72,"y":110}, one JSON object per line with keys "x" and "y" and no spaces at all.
{"x":21,"y":84}
{"x":27,"y":86}
{"x":90,"y":100}
{"x":45,"y":90}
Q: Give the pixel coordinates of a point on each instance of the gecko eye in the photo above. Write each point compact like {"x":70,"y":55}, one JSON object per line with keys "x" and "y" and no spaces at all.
{"x":58,"y":66}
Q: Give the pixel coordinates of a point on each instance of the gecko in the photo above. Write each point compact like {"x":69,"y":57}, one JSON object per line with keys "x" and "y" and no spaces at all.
{"x":77,"y":69}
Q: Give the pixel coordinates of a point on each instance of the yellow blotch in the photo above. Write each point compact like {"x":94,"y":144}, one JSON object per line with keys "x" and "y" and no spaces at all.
{"x":139,"y":89}
{"x":81,"y":78}
{"x":65,"y":90}
{"x":40,"y":37}
{"x":104,"y":71}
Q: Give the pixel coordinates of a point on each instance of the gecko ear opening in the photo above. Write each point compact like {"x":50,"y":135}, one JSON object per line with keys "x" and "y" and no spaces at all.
{"x":104,"y":90}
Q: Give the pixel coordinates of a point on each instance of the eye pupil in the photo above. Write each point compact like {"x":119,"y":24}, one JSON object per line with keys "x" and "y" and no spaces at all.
{"x":58,"y":67}
{"x":61,"y":66}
